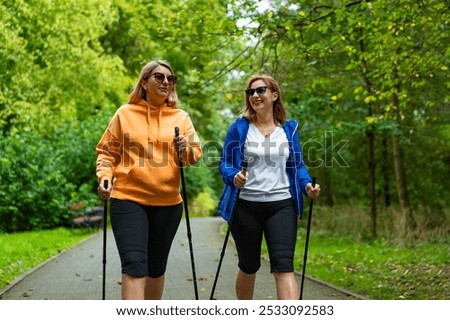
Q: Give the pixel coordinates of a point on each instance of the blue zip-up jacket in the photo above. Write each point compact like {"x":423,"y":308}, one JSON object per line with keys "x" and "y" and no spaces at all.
{"x":233,"y":154}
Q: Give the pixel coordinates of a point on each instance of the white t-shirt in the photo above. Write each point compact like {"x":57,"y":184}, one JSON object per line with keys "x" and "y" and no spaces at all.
{"x":267,"y":178}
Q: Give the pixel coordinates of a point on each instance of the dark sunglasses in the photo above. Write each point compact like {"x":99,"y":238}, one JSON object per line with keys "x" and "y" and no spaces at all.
{"x":260,"y":91}
{"x":159,"y":77}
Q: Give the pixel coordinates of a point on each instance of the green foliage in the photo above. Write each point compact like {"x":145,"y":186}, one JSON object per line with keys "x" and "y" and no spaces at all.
{"x":33,"y":189}
{"x":42,"y":175}
{"x":52,"y":64}
{"x":204,"y":205}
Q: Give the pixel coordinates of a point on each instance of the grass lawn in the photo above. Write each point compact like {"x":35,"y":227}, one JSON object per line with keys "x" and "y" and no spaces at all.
{"x":378,"y":270}
{"x":22,"y":251}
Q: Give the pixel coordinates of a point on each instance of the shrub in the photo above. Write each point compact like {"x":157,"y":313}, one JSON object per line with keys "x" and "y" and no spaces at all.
{"x":33,"y":189}
{"x":43,"y":173}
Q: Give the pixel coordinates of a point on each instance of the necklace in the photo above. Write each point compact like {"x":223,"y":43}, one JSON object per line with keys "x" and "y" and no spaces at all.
{"x":267,"y":130}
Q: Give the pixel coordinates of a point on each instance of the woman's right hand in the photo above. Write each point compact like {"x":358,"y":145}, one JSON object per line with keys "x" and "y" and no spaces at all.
{"x":240,"y":179}
{"x":102,"y":192}
{"x":313,"y":192}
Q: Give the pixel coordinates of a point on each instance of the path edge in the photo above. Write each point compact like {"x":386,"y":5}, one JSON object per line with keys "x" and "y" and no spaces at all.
{"x":19,"y":279}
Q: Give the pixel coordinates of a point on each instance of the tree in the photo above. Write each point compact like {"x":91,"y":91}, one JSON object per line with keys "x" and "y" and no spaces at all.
{"x":53,"y":67}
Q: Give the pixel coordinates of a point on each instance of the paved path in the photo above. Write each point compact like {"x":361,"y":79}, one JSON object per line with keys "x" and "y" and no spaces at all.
{"x":76,"y":274}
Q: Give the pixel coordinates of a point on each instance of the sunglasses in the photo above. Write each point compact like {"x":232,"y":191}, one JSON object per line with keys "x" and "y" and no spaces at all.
{"x":260,"y":91}
{"x":159,"y":77}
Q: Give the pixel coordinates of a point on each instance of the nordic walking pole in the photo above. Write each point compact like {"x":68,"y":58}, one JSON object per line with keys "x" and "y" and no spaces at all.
{"x":305,"y":257}
{"x":222,"y":254}
{"x":188,"y":225}
{"x":105,"y":220}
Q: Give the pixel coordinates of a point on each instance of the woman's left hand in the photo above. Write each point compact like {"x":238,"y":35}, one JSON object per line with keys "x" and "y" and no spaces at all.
{"x":313,"y":192}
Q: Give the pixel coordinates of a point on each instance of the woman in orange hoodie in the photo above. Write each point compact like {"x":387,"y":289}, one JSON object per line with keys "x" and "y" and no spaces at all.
{"x":138,"y":151}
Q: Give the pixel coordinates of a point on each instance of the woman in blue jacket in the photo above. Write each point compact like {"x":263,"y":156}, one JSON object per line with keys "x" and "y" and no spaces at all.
{"x":271,"y":188}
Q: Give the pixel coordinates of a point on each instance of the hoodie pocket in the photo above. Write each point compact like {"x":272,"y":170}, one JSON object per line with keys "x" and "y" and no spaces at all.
{"x":121,"y":175}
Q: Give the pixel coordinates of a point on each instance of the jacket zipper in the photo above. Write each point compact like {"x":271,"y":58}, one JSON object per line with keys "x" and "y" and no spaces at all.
{"x":295,"y":171}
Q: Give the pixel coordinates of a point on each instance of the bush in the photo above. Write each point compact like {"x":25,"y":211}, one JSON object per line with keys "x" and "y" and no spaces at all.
{"x":33,"y":188}
{"x":43,"y":173}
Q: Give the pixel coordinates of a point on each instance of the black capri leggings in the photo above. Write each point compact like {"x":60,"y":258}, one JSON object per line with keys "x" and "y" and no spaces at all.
{"x":144,"y":235}
{"x":277,"y":220}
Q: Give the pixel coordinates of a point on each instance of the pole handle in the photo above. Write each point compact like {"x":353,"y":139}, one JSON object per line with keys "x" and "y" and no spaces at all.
{"x":313,"y":181}
{"x":105,"y":184}
{"x":180,"y":157}
{"x":245,"y":163}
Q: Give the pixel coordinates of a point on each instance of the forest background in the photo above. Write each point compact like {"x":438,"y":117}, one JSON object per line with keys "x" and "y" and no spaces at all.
{"x":368,"y":82}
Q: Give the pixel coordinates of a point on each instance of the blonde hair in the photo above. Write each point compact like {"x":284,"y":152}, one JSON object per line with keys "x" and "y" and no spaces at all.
{"x":279,"y":112}
{"x":138,"y":93}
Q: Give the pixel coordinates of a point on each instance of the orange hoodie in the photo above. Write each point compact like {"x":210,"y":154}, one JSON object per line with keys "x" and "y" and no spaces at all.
{"x":137,"y":150}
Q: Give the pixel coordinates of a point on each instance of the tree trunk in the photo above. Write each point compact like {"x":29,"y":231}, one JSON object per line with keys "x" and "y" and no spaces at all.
{"x":372,"y":195}
{"x":409,"y":223}
{"x":385,"y":172}
{"x":371,"y":138}
{"x":328,"y":182}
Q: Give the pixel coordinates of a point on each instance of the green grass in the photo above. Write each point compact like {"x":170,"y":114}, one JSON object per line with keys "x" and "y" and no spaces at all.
{"x":22,"y":251}
{"x":379,"y":269}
